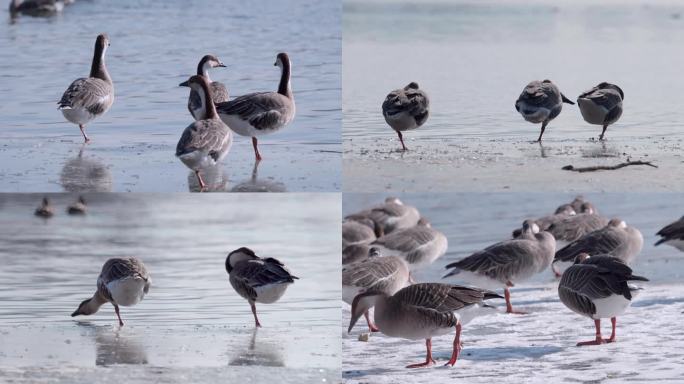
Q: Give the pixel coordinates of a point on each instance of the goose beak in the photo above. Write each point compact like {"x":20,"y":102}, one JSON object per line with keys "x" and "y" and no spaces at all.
{"x":221,"y":65}
{"x":184,"y":84}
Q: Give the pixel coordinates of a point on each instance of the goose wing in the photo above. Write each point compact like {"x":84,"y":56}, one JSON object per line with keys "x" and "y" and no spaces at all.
{"x":90,"y":93}
{"x":601,"y":241}
{"x":263,"y":110}
{"x":500,"y":261}
{"x":206,"y":135}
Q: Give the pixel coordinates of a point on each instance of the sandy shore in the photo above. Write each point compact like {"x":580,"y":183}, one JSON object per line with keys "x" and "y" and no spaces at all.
{"x":480,"y":164}
{"x":535,"y":348}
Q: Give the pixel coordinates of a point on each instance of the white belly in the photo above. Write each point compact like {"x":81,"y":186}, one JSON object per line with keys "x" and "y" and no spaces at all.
{"x":78,"y":115}
{"x":470,"y":312}
{"x":402,"y":121}
{"x":610,"y":306}
{"x":591,"y":112}
{"x":679,"y":244}
{"x":270,"y":293}
{"x":477,"y":280}
{"x":198,"y":160}
{"x":244,"y":128}
{"x":127,"y":292}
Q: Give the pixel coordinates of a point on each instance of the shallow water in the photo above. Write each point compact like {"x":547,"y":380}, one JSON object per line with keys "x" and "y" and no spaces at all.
{"x":474,"y":59}
{"x":155,"y":45}
{"x":191,"y":317}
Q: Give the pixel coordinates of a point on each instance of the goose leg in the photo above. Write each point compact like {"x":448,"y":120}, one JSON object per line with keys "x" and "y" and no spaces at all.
{"x":371,"y":326}
{"x":509,"y":306}
{"x":116,"y":309}
{"x":200,"y":181}
{"x":256,"y":319}
{"x":613,"y":322}
{"x":598,"y":340}
{"x":401,"y":138}
{"x":85,"y":137}
{"x":428,"y":357}
{"x":457,"y":346}
{"x":256,"y":150}
{"x":543,"y":127}
{"x":605,"y":126}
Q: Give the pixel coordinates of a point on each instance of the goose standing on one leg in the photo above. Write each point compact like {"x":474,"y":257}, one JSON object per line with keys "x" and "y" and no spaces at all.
{"x":541,"y":102}
{"x":601,"y":105}
{"x":261,"y":113}
{"x":598,"y":287}
{"x":122,"y":282}
{"x":206,"y":141}
{"x":673,"y":234}
{"x":405,"y":109}
{"x":421,"y":311}
{"x":219,"y":92}
{"x":88,"y":98}
{"x":257,"y":280}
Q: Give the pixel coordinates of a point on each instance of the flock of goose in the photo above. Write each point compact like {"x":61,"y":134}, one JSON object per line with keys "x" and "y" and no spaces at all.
{"x":384,"y":244}
{"x":208,"y":139}
{"x":46,"y":210}
{"x":408,"y":108}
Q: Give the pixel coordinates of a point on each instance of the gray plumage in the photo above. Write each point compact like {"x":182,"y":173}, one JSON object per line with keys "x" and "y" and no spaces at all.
{"x":219,"y":92}
{"x":257,"y":279}
{"x":45,"y":209}
{"x":406,"y":109}
{"x":357,"y":232}
{"x":615,"y":239}
{"x":601,"y":105}
{"x":390,"y":216}
{"x":355,"y":253}
{"x":541,"y":102}
{"x":119,"y":269}
{"x":545,"y":222}
{"x":673,"y":234}
{"x":35,"y":7}
{"x":419,"y":246}
{"x":386,"y":274}
{"x":574,"y":227}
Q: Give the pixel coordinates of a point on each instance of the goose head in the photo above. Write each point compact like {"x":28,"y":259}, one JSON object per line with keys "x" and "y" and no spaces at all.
{"x":361,"y":303}
{"x":239,"y":255}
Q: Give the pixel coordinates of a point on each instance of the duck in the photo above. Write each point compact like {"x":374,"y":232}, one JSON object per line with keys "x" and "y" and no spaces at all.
{"x":507,"y":263}
{"x":122,"y":282}
{"x":601,"y":105}
{"x":35,"y":7}
{"x":219,"y":92}
{"x":419,"y":246}
{"x":598,"y":287}
{"x":421,"y":311}
{"x":616,"y":239}
{"x":205,"y":142}
{"x":541,"y":102}
{"x":45,"y":209}
{"x":672,"y":234}
{"x":257,"y":280}
{"x":405,"y":109}
{"x":78,"y":208}
{"x":261,"y":113}
{"x":91,"y":97}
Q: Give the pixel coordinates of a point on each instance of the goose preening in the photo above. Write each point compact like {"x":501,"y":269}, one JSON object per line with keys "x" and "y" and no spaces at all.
{"x":45,"y":209}
{"x":405,"y":109}
{"x":79,"y":207}
{"x":390,"y":216}
{"x":261,"y":113}
{"x":386,"y":274}
{"x":35,"y":7}
{"x":88,"y":98}
{"x":673,"y":234}
{"x":419,"y":246}
{"x":507,"y":263}
{"x":123,"y":281}
{"x":616,"y":239}
{"x":257,"y":280}
{"x":421,"y":311}
{"x":601,"y":105}
{"x":206,"y":141}
{"x":598,"y":287}
{"x":358,"y":231}
{"x":541,"y":102}
{"x":219,"y":92}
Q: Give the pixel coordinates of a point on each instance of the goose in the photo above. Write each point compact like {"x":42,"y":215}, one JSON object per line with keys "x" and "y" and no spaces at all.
{"x":543,"y":223}
{"x":356,"y":253}
{"x":205,"y":142}
{"x":356,"y":232}
{"x":507,"y":263}
{"x":219,"y":92}
{"x":261,"y":113}
{"x":601,"y":105}
{"x":123,"y":281}
{"x":405,"y":109}
{"x":541,"y":102}
{"x":581,"y":205}
{"x":573,"y":227}
{"x":35,"y":7}
{"x":390,"y":216}
{"x":598,"y":287}
{"x":419,"y":246}
{"x":386,"y":274}
{"x":672,"y":234}
{"x":88,"y":98}
{"x":616,"y":239}
{"x":45,"y":209}
{"x":421,"y":311}
{"x":78,"y":208}
{"x":257,"y":280}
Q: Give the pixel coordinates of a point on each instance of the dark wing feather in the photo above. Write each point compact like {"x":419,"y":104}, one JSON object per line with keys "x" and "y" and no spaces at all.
{"x":498,"y":261}
{"x":206,"y":135}
{"x":264,"y":110}
{"x":601,"y":241}
{"x":91,"y":93}
{"x":608,"y":98}
{"x":673,"y":231}
{"x":574,"y":227}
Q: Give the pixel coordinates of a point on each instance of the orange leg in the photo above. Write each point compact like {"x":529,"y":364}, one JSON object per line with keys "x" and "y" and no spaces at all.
{"x":598,"y":340}
{"x":256,"y":150}
{"x":428,"y":358}
{"x":457,"y":346}
{"x":256,"y":319}
{"x":371,"y":326}
{"x":509,"y":306}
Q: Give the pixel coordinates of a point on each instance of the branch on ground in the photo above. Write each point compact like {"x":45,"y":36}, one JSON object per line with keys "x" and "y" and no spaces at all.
{"x":608,"y":167}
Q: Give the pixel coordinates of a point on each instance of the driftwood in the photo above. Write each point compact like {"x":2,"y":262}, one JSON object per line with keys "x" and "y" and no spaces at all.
{"x":608,"y":167}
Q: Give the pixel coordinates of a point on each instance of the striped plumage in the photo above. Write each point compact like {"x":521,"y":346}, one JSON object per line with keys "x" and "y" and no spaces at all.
{"x":598,"y":287}
{"x":123,"y":281}
{"x":545,"y":222}
{"x":421,"y":311}
{"x":219,"y":92}
{"x":261,"y":113}
{"x":541,"y":102}
{"x":390,"y":216}
{"x":257,"y":280}
{"x":406,"y":109}
{"x":206,"y":141}
{"x":673,"y":234}
{"x":355,"y":232}
{"x":419,"y":246}
{"x":601,"y":105}
{"x":88,"y":98}
{"x":574,"y":227}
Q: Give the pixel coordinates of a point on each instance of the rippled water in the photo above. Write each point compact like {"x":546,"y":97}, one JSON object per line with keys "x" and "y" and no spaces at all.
{"x":474,"y":59}
{"x":191,"y":316}
{"x":474,"y":221}
{"x":155,"y":45}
